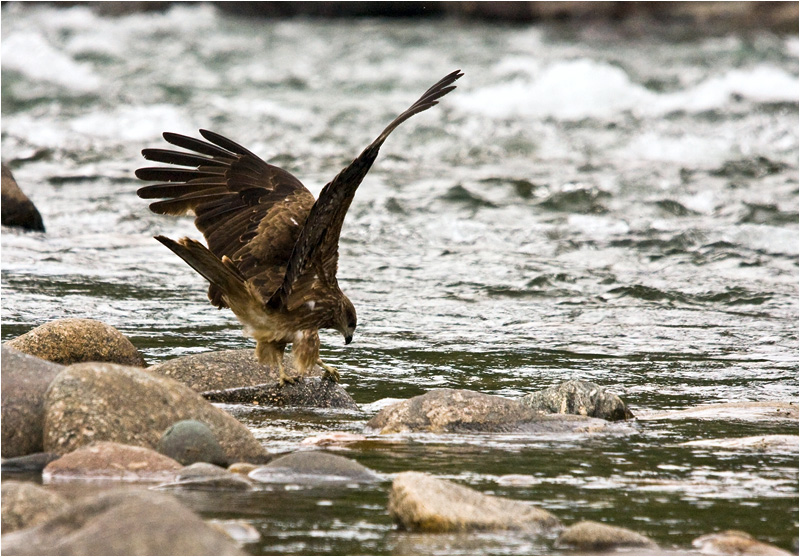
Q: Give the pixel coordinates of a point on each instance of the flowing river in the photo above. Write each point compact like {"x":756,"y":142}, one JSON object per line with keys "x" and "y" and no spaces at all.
{"x":583,"y":206}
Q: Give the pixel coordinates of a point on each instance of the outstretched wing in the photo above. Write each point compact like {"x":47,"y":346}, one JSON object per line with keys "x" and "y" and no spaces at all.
{"x":318,"y":244}
{"x":248,"y":210}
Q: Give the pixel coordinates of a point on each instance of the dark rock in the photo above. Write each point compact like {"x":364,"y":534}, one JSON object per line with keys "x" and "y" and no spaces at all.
{"x":421,"y":502}
{"x":226,"y":369}
{"x":25,"y":380}
{"x":307,"y":392}
{"x":15,"y":207}
{"x":579,"y":397}
{"x":26,"y":504}
{"x":202,"y":475}
{"x":112,"y":461}
{"x":313,"y":467}
{"x":68,"y":341}
{"x":458,"y":410}
{"x":190,"y":441}
{"x":122,"y":522}
{"x":35,"y":462}
{"x":591,"y":535}
{"x":746,"y":411}
{"x":734,"y":542}
{"x":107,"y":402}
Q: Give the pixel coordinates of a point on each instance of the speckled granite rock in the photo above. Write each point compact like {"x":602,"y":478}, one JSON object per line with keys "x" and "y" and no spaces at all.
{"x":734,"y":542}
{"x":96,"y":401}
{"x":15,"y":207}
{"x":591,"y":535}
{"x":579,"y":397}
{"x":421,"y":502}
{"x":309,"y":392}
{"x":112,"y":461}
{"x":68,"y":341}
{"x":25,"y":380}
{"x":26,"y":504}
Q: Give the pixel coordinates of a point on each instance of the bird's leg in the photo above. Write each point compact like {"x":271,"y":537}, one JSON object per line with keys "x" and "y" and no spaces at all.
{"x":271,"y":354}
{"x":330,"y":372}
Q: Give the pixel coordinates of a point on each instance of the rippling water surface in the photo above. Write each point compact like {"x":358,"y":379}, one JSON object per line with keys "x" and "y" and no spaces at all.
{"x":583,"y":206}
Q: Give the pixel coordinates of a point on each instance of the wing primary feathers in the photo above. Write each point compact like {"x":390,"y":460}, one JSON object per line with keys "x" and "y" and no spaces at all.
{"x":183,"y":159}
{"x":196,"y":145}
{"x":226,"y":143}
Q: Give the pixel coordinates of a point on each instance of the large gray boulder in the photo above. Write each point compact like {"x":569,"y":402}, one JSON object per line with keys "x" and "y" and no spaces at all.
{"x":15,"y":207}
{"x":309,"y":392}
{"x":98,"y":401}
{"x":26,"y":504}
{"x":25,"y":380}
{"x":579,"y":397}
{"x":458,"y":410}
{"x":313,"y":467}
{"x":69,"y":341}
{"x":420,"y":502}
{"x":112,"y":461}
{"x":589,"y":535}
{"x":122,"y":522}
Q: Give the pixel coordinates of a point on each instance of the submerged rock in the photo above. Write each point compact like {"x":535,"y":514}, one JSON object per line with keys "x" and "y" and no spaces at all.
{"x":122,"y":522}
{"x":458,"y":410}
{"x":202,"y":475}
{"x":309,"y":392}
{"x":35,"y":462}
{"x":752,"y":411}
{"x":226,"y":369}
{"x":591,"y":535}
{"x":107,"y":402}
{"x":579,"y":397}
{"x":25,"y":380}
{"x":313,"y":467}
{"x":734,"y":542}
{"x":763,"y":443}
{"x":190,"y":441}
{"x":423,"y":503}
{"x":112,"y":461}
{"x":15,"y":207}
{"x":69,"y":341}
{"x":26,"y":504}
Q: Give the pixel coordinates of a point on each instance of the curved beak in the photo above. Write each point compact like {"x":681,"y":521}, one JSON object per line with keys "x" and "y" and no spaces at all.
{"x":348,"y":339}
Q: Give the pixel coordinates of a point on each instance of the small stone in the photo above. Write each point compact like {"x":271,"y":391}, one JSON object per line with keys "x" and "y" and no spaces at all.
{"x":734,"y":542}
{"x":312,"y":467}
{"x":202,"y":475}
{"x":112,"y":461}
{"x":25,"y":380}
{"x":122,"y":522}
{"x":69,"y":341}
{"x":308,"y":392}
{"x":591,"y":535}
{"x":243,"y":468}
{"x":579,"y":397}
{"x":16,"y":209}
{"x":25,"y":504}
{"x":420,"y":502}
{"x":241,"y":531}
{"x":190,"y":441}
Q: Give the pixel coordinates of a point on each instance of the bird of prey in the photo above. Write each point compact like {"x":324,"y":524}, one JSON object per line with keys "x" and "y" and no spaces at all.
{"x":272,"y":252}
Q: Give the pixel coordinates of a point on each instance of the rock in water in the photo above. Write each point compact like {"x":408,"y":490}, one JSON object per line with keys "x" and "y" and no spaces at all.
{"x":190,"y":441}
{"x":421,"y":502}
{"x":309,"y":392}
{"x":311,"y":467}
{"x":112,"y":461}
{"x":458,"y":410}
{"x":734,"y":542}
{"x":122,"y":522}
{"x":25,"y":380}
{"x":15,"y":207}
{"x":579,"y":397}
{"x":69,"y":341}
{"x":25,"y":504}
{"x":205,"y":476}
{"x":591,"y":535}
{"x":98,"y":401}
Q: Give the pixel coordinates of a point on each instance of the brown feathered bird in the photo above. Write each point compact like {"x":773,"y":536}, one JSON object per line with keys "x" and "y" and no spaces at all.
{"x":272,"y":251}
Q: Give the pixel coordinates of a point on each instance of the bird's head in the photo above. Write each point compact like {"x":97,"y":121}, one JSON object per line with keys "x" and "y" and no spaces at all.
{"x":346,"y":319}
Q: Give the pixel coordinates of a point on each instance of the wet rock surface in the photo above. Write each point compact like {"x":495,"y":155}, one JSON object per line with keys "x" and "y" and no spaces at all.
{"x":753,"y":411}
{"x":103,"y":525}
{"x":762,"y":443}
{"x":458,"y":410}
{"x":190,"y":441}
{"x":313,"y":467}
{"x":734,"y":542}
{"x":25,"y":380}
{"x":112,"y":461}
{"x":16,"y":209}
{"x":26,"y":504}
{"x":421,"y":502}
{"x":309,"y":392}
{"x":69,"y":341}
{"x":579,"y":397}
{"x":95,"y":401}
{"x":202,"y":475}
{"x":226,"y":369}
{"x":596,"y":536}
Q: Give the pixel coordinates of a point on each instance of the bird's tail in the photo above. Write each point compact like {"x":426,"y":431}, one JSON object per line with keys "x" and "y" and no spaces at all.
{"x":219,"y":272}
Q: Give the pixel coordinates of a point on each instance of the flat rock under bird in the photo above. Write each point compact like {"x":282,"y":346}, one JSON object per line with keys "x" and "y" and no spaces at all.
{"x":273,"y":251}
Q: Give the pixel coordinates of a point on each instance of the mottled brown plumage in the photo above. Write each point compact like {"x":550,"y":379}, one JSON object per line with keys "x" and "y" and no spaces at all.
{"x":272,"y":252}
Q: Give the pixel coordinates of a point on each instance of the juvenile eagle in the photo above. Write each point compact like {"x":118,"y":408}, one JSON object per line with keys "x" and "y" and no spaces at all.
{"x":272,"y":250}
